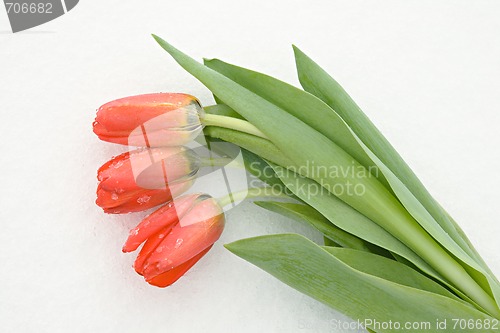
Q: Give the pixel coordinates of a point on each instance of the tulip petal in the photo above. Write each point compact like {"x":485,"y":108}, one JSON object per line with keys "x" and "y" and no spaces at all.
{"x":161,"y":119}
{"x":165,"y":216}
{"x":165,"y":257}
{"x":140,"y":200}
{"x":130,"y":112}
{"x":167,"y":278}
{"x":144,"y":178}
{"x":127,"y":202}
{"x":148,"y":248}
{"x":187,"y":240}
{"x":148,"y":168}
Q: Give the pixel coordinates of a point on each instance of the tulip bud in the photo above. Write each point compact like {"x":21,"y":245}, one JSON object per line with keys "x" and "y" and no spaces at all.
{"x":144,"y":178}
{"x":151,"y":120}
{"x":177,"y":235}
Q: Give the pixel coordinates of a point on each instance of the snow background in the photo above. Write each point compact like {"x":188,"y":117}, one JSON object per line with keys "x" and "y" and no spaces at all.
{"x":426,"y":72}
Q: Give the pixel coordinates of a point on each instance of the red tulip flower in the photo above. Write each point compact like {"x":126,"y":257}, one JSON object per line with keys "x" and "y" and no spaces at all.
{"x":142,"y":179}
{"x":151,"y":120}
{"x":176,"y":236}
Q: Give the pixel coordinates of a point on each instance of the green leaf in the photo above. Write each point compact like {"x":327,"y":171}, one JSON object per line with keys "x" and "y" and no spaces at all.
{"x":222,"y":110}
{"x":418,"y":211}
{"x":217,"y":99}
{"x":389,"y":270}
{"x":279,"y":126}
{"x":350,"y":220}
{"x":258,"y":167}
{"x":302,"y":105}
{"x":318,"y":82}
{"x":295,"y":101}
{"x":355,"y":223}
{"x":308,"y":215}
{"x":310,"y":269}
{"x":296,"y":140}
{"x":409,"y":190}
{"x":321,"y":118}
{"x":328,"y":242}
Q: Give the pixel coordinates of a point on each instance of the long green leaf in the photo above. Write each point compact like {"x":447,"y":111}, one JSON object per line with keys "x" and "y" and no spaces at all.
{"x":389,"y":270}
{"x":320,"y":116}
{"x":308,"y":215}
{"x":318,"y":82}
{"x":289,"y":98}
{"x":409,"y":190}
{"x":299,"y":142}
{"x":348,"y":219}
{"x":328,"y":242}
{"x":310,"y":269}
{"x":258,"y":167}
{"x":222,"y":110}
{"x":301,"y":104}
{"x":418,"y":211}
{"x":351,"y":221}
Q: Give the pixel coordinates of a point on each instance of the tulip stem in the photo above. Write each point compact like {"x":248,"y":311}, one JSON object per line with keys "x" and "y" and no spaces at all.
{"x":231,"y":123}
{"x":254,"y":192}
{"x":215,"y":162}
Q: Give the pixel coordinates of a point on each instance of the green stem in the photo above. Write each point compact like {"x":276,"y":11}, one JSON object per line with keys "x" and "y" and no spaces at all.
{"x":214,"y":162}
{"x":250,"y":193}
{"x":231,"y":123}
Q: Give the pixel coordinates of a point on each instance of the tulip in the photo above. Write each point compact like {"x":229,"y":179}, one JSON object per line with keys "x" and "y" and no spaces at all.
{"x":144,"y":178}
{"x":176,"y":236}
{"x":150,"y":120}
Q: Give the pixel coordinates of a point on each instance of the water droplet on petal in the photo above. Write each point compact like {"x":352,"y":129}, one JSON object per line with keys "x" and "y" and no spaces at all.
{"x":114,"y":196}
{"x":178,"y":243}
{"x":143,"y":199}
{"x":117,"y":164}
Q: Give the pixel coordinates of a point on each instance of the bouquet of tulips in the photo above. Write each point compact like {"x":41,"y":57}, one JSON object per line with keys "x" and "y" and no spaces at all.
{"x":392,"y":257}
